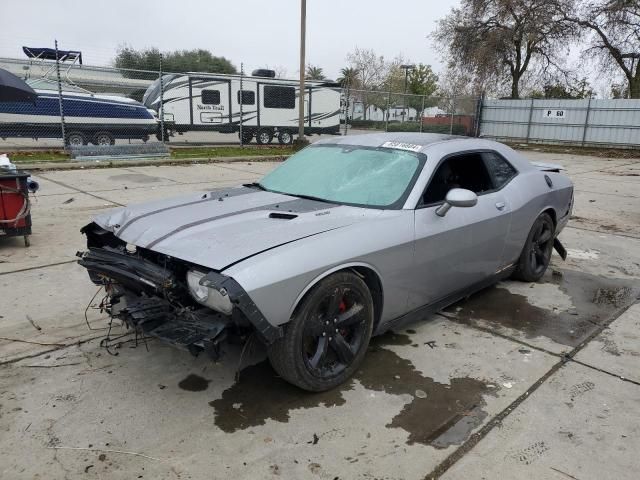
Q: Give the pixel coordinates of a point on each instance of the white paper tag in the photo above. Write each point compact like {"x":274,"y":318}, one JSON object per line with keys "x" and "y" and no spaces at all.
{"x":402,"y":146}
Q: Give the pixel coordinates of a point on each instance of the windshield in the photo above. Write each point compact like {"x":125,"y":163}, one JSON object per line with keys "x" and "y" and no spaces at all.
{"x":374,"y":177}
{"x":46,"y":84}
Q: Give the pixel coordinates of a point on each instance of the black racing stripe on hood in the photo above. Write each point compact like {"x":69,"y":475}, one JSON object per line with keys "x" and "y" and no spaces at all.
{"x":299,"y":205}
{"x":276,"y":246}
{"x":210,"y":197}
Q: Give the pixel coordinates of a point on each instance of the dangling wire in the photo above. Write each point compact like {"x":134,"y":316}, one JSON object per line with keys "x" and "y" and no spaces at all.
{"x":86,"y":310}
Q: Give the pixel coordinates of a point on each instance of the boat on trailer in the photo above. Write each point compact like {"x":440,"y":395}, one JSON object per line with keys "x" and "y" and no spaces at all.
{"x":88,"y":117}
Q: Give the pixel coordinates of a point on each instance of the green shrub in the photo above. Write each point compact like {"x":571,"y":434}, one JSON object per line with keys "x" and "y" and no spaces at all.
{"x":366,"y":124}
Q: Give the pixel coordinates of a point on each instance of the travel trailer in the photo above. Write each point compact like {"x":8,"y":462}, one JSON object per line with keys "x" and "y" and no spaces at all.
{"x":267,"y":106}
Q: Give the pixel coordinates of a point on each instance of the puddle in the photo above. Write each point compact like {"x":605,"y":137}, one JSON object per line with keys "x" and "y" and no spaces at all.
{"x":134,"y":177}
{"x":436,"y":414}
{"x":595,"y":300}
{"x":194,"y":383}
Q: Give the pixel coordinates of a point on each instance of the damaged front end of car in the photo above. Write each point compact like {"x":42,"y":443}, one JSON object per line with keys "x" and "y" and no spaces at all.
{"x":182,"y":304}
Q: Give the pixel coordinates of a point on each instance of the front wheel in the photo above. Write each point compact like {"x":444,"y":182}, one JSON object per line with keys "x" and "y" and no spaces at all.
{"x":536,"y":253}
{"x":264,"y":136}
{"x":246,"y":137}
{"x":327,"y":338}
{"x":76,"y":139}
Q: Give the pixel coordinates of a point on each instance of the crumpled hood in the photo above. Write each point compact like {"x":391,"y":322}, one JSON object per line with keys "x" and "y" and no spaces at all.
{"x":222,"y":227}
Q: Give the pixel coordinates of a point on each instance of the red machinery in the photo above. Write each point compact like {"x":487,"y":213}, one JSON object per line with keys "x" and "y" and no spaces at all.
{"x":15,"y":208}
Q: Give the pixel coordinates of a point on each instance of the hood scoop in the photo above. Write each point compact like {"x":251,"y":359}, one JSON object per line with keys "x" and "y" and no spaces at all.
{"x":283,"y":216}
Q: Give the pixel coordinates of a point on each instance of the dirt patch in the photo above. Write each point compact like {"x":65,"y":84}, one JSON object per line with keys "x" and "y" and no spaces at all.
{"x":596,"y":299}
{"x":194,"y":383}
{"x":435,"y":414}
{"x":604,"y":153}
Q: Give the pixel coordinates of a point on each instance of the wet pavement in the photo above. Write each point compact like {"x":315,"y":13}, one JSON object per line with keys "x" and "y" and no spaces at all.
{"x":518,"y":381}
{"x":592,"y":301}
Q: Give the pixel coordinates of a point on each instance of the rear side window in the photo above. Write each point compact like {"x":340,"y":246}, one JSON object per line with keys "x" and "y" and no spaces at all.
{"x":246,"y":97}
{"x":279,"y":97}
{"x":211,"y":97}
{"x":500,"y":170}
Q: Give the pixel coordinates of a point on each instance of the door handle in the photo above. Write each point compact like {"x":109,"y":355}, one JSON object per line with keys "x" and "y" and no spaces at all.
{"x":500,"y":205}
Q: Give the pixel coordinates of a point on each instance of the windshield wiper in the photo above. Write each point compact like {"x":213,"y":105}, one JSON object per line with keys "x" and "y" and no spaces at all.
{"x":257,"y":185}
{"x":308,"y":197}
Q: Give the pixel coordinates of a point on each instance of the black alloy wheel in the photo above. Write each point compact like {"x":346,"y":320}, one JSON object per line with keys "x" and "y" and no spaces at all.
{"x":536,"y":254}
{"x":328,"y":336}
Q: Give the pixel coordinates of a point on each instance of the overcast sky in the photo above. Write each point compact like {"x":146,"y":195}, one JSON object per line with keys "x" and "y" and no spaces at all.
{"x":256,"y":32}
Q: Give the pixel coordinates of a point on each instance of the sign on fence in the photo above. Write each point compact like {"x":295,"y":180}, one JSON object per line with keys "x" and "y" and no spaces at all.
{"x":554,"y":114}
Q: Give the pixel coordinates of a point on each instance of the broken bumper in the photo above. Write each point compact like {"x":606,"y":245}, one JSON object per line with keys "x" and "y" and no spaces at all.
{"x":154,"y":299}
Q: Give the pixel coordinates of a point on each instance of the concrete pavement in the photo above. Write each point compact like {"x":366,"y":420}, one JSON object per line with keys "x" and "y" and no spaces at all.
{"x":520,"y":381}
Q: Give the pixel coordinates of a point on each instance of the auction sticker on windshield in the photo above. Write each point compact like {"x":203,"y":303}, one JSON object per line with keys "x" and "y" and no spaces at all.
{"x":402,"y":146}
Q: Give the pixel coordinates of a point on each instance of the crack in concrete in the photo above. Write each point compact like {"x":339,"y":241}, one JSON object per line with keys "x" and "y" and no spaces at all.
{"x":472,"y":441}
{"x":62,"y":184}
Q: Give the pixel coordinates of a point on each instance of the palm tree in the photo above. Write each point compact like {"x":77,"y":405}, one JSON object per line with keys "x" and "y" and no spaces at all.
{"x":348,"y":77}
{"x":314,"y":73}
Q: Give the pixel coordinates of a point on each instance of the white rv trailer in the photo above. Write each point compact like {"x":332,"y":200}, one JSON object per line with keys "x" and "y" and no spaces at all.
{"x":212,"y":102}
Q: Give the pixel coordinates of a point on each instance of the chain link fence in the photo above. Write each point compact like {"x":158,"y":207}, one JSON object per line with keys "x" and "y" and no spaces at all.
{"x":401,"y":112}
{"x":81,"y":106}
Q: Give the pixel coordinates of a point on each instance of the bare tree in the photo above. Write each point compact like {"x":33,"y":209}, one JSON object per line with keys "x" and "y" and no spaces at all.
{"x":371,"y":70}
{"x":500,"y":41}
{"x":612,"y":28}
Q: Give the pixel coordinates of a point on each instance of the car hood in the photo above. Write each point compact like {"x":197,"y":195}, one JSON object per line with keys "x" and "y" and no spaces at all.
{"x":219,"y":228}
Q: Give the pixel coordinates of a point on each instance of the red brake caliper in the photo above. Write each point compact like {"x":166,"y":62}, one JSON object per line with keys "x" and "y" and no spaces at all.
{"x":342,"y":308}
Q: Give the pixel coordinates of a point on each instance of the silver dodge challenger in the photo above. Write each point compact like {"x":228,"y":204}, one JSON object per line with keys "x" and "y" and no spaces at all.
{"x":348,"y":238}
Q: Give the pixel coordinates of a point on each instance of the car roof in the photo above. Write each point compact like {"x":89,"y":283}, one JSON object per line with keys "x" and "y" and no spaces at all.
{"x":379,"y":138}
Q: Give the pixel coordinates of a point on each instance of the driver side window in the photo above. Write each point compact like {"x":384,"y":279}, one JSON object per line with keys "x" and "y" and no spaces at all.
{"x":466,"y":171}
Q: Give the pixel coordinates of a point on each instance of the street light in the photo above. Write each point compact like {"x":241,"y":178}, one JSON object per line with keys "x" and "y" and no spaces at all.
{"x":406,"y":69}
{"x":303,"y":21}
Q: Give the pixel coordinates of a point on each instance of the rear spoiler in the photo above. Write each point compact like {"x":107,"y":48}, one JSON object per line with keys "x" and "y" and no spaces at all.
{"x":548,"y":167}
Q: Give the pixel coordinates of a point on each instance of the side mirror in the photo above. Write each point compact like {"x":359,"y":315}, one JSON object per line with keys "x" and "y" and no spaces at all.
{"x":457,"y":197}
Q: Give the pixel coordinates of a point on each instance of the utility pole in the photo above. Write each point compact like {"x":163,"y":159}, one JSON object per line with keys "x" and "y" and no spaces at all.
{"x":60,"y":103}
{"x":406,"y":69}
{"x":303,"y":28}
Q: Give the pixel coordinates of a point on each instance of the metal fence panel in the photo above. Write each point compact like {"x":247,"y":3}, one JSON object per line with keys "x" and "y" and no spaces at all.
{"x":505,"y":118}
{"x":560,"y":121}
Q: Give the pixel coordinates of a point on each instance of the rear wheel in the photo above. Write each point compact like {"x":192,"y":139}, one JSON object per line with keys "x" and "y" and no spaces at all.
{"x":285,"y":138}
{"x":104,"y":138}
{"x":264,"y":136}
{"x":76,"y":139}
{"x":327,"y":338}
{"x":536,"y":253}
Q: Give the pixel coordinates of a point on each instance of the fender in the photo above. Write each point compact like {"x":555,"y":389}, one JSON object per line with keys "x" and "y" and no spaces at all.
{"x":326,"y":273}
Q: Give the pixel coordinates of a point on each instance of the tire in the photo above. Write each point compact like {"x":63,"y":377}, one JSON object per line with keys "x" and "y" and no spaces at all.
{"x":247,"y":136}
{"x":285,"y":138}
{"x":75,"y":139}
{"x":103,"y":138}
{"x":327,"y":338}
{"x":264,"y":136}
{"x":536,"y":253}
